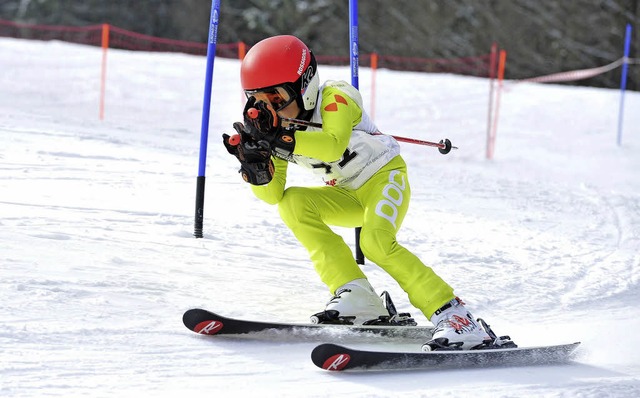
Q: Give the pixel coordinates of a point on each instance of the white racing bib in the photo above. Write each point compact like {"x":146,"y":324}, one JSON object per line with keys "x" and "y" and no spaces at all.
{"x":368,"y":150}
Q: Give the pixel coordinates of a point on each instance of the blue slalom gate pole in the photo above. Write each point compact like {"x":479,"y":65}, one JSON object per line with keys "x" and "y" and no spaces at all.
{"x":353,"y":45}
{"x":623,"y":81}
{"x":206,"y":107}
{"x":354,"y":63}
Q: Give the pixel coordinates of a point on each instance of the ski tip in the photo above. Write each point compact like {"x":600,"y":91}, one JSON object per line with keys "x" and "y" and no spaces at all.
{"x":202,"y":322}
{"x":331,"y":357}
{"x":188,"y":318}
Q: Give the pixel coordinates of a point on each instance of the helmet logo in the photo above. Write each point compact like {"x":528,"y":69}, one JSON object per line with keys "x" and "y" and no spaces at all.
{"x":303,"y":60}
{"x":306,"y":79}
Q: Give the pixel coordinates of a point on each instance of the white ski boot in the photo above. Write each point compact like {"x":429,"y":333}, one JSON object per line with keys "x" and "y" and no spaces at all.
{"x":353,"y":303}
{"x":456,"y":329}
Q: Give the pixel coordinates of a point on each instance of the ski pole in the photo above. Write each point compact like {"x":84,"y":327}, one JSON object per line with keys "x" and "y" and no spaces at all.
{"x":444,"y":146}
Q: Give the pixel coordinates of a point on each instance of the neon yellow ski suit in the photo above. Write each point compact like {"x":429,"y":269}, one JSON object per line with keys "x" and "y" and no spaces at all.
{"x":366,"y":186}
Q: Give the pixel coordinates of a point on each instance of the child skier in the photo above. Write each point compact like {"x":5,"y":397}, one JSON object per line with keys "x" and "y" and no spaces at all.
{"x":366,"y":186}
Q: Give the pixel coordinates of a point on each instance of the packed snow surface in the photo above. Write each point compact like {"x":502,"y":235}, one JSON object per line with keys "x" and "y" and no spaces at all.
{"x":99,"y":262}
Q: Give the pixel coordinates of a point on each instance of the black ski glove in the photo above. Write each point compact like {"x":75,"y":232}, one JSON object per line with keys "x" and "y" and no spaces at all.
{"x":256,"y":166}
{"x":263,"y":123}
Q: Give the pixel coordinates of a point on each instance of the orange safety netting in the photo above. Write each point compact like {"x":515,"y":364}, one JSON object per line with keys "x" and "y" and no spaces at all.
{"x":125,"y":39}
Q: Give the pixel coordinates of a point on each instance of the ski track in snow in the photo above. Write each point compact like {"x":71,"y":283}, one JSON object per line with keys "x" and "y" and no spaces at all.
{"x":98,"y":261}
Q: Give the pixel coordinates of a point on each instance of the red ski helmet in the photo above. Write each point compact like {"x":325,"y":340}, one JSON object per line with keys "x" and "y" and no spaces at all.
{"x":282,"y":62}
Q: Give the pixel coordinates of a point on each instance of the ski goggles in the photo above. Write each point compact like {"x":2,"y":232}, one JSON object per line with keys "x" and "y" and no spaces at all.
{"x":278,"y":96}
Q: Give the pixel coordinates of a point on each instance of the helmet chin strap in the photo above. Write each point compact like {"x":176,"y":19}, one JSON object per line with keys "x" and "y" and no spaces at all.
{"x":305,"y":114}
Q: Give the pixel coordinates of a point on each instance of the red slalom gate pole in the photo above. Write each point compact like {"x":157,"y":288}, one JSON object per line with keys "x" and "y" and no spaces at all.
{"x":103,"y":70}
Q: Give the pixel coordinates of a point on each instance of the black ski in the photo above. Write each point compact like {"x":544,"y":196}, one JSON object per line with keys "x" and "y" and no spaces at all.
{"x":335,"y":357}
{"x":208,"y":323}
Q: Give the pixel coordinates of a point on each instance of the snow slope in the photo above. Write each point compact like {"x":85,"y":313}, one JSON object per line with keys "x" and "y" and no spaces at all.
{"x":98,"y":261}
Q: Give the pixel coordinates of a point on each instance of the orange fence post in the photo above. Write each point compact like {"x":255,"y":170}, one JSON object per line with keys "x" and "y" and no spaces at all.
{"x":103,"y":75}
{"x":494,"y":127}
{"x":492,"y":76}
{"x":374,"y":68}
{"x":242,"y":50}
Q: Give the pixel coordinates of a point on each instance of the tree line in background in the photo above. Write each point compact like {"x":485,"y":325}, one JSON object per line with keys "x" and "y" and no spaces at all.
{"x":540,"y":37}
